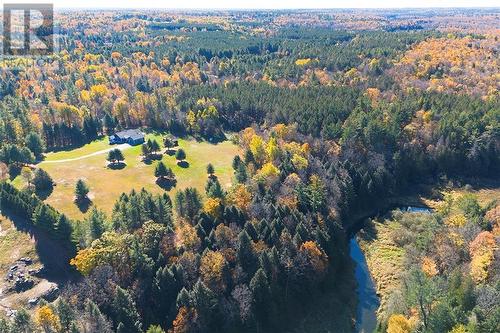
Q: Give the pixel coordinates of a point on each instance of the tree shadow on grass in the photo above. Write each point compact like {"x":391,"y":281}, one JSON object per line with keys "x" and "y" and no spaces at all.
{"x":117,"y":165}
{"x":166,"y":184}
{"x":53,"y":255}
{"x":183,"y":164}
{"x":83,"y":205}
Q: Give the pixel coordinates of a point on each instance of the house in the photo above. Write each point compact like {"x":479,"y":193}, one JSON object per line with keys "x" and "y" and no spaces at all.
{"x":132,"y":136}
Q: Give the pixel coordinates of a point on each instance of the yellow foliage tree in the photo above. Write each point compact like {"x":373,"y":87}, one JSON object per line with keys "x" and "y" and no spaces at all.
{"x":299,"y":162}
{"x":187,"y":238}
{"x":212,"y":267}
{"x":398,"y":324}
{"x":213,"y":207}
{"x":47,"y":319}
{"x":258,"y":149}
{"x":240,"y":197}
{"x":108,"y":249}
{"x":429,"y":267}
{"x":317,"y":257}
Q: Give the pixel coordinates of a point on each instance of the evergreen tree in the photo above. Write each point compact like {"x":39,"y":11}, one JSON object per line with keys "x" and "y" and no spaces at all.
{"x":183,"y":298}
{"x":97,"y":223}
{"x":261,"y":295}
{"x":246,"y":253}
{"x":35,"y":144}
{"x":42,"y":181}
{"x":213,"y":188}
{"x":44,"y":217}
{"x":161,"y":170}
{"x":180,"y":155}
{"x":64,"y":228}
{"x":210,"y":170}
{"x":125,"y":312}
{"x":204,"y":300}
{"x":81,"y":191}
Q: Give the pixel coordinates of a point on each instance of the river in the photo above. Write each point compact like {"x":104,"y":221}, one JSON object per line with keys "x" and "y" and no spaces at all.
{"x":368,"y":300}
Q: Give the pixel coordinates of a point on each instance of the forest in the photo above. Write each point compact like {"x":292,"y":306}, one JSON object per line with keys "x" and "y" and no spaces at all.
{"x":333,"y":113}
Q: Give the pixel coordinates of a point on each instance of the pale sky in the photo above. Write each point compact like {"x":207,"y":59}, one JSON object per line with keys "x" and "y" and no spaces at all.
{"x":265,"y":4}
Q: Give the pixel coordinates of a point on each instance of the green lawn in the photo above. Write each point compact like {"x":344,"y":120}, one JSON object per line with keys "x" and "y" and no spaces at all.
{"x":106,"y":185}
{"x":87,"y":149}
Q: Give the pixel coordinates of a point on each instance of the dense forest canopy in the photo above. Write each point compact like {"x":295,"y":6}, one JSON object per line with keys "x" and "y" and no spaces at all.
{"x":334,"y":111}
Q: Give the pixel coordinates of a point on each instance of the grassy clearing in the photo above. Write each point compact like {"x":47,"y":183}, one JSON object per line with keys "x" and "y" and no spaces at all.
{"x":106,"y":185}
{"x":87,"y":149}
{"x":384,"y":258}
{"x":14,"y":244}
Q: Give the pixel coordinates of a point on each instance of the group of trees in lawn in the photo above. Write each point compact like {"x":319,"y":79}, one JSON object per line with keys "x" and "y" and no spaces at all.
{"x":115,"y":158}
{"x":327,"y":131}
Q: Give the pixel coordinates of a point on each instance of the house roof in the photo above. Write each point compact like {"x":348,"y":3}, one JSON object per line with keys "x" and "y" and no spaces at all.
{"x":133,"y":134}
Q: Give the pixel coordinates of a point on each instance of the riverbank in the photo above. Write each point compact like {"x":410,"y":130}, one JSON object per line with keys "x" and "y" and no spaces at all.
{"x":395,"y":241}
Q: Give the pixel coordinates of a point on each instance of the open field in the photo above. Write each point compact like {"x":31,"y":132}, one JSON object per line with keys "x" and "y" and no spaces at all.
{"x":29,"y":254}
{"x":106,"y":185}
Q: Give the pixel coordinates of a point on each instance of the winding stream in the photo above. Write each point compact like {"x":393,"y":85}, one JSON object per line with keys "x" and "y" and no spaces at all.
{"x":368,"y":300}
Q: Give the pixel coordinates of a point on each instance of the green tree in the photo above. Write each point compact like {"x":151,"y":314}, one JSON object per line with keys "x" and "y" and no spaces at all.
{"x":155,"y":329}
{"x":180,"y":155}
{"x":241,"y":174}
{"x":35,"y":143}
{"x":188,"y":203}
{"x":125,"y":311}
{"x":183,"y":298}
{"x":64,"y":229}
{"x":42,"y":181}
{"x":161,"y":170}
{"x":97,"y":223}
{"x":421,"y":291}
{"x":213,"y":188}
{"x":261,"y":295}
{"x":23,"y":322}
{"x":210,"y":170}
{"x":81,"y":191}
{"x":115,"y":156}
{"x":246,"y":253}
{"x":45,"y":217}
{"x":204,"y":300}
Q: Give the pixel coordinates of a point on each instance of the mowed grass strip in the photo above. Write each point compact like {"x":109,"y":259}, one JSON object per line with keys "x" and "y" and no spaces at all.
{"x":107,"y":185}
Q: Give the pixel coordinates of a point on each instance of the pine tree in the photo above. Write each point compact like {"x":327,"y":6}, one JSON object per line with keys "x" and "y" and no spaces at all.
{"x":246,"y":253}
{"x":42,"y":181}
{"x":213,"y":188}
{"x":261,"y":293}
{"x":96,"y":221}
{"x":35,"y":143}
{"x":161,"y":170}
{"x":183,"y":299}
{"x":64,"y":228}
{"x":204,"y":300}
{"x":180,"y":155}
{"x":210,"y":170}
{"x":44,"y":217}
{"x":81,"y":191}
{"x":125,"y":312}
